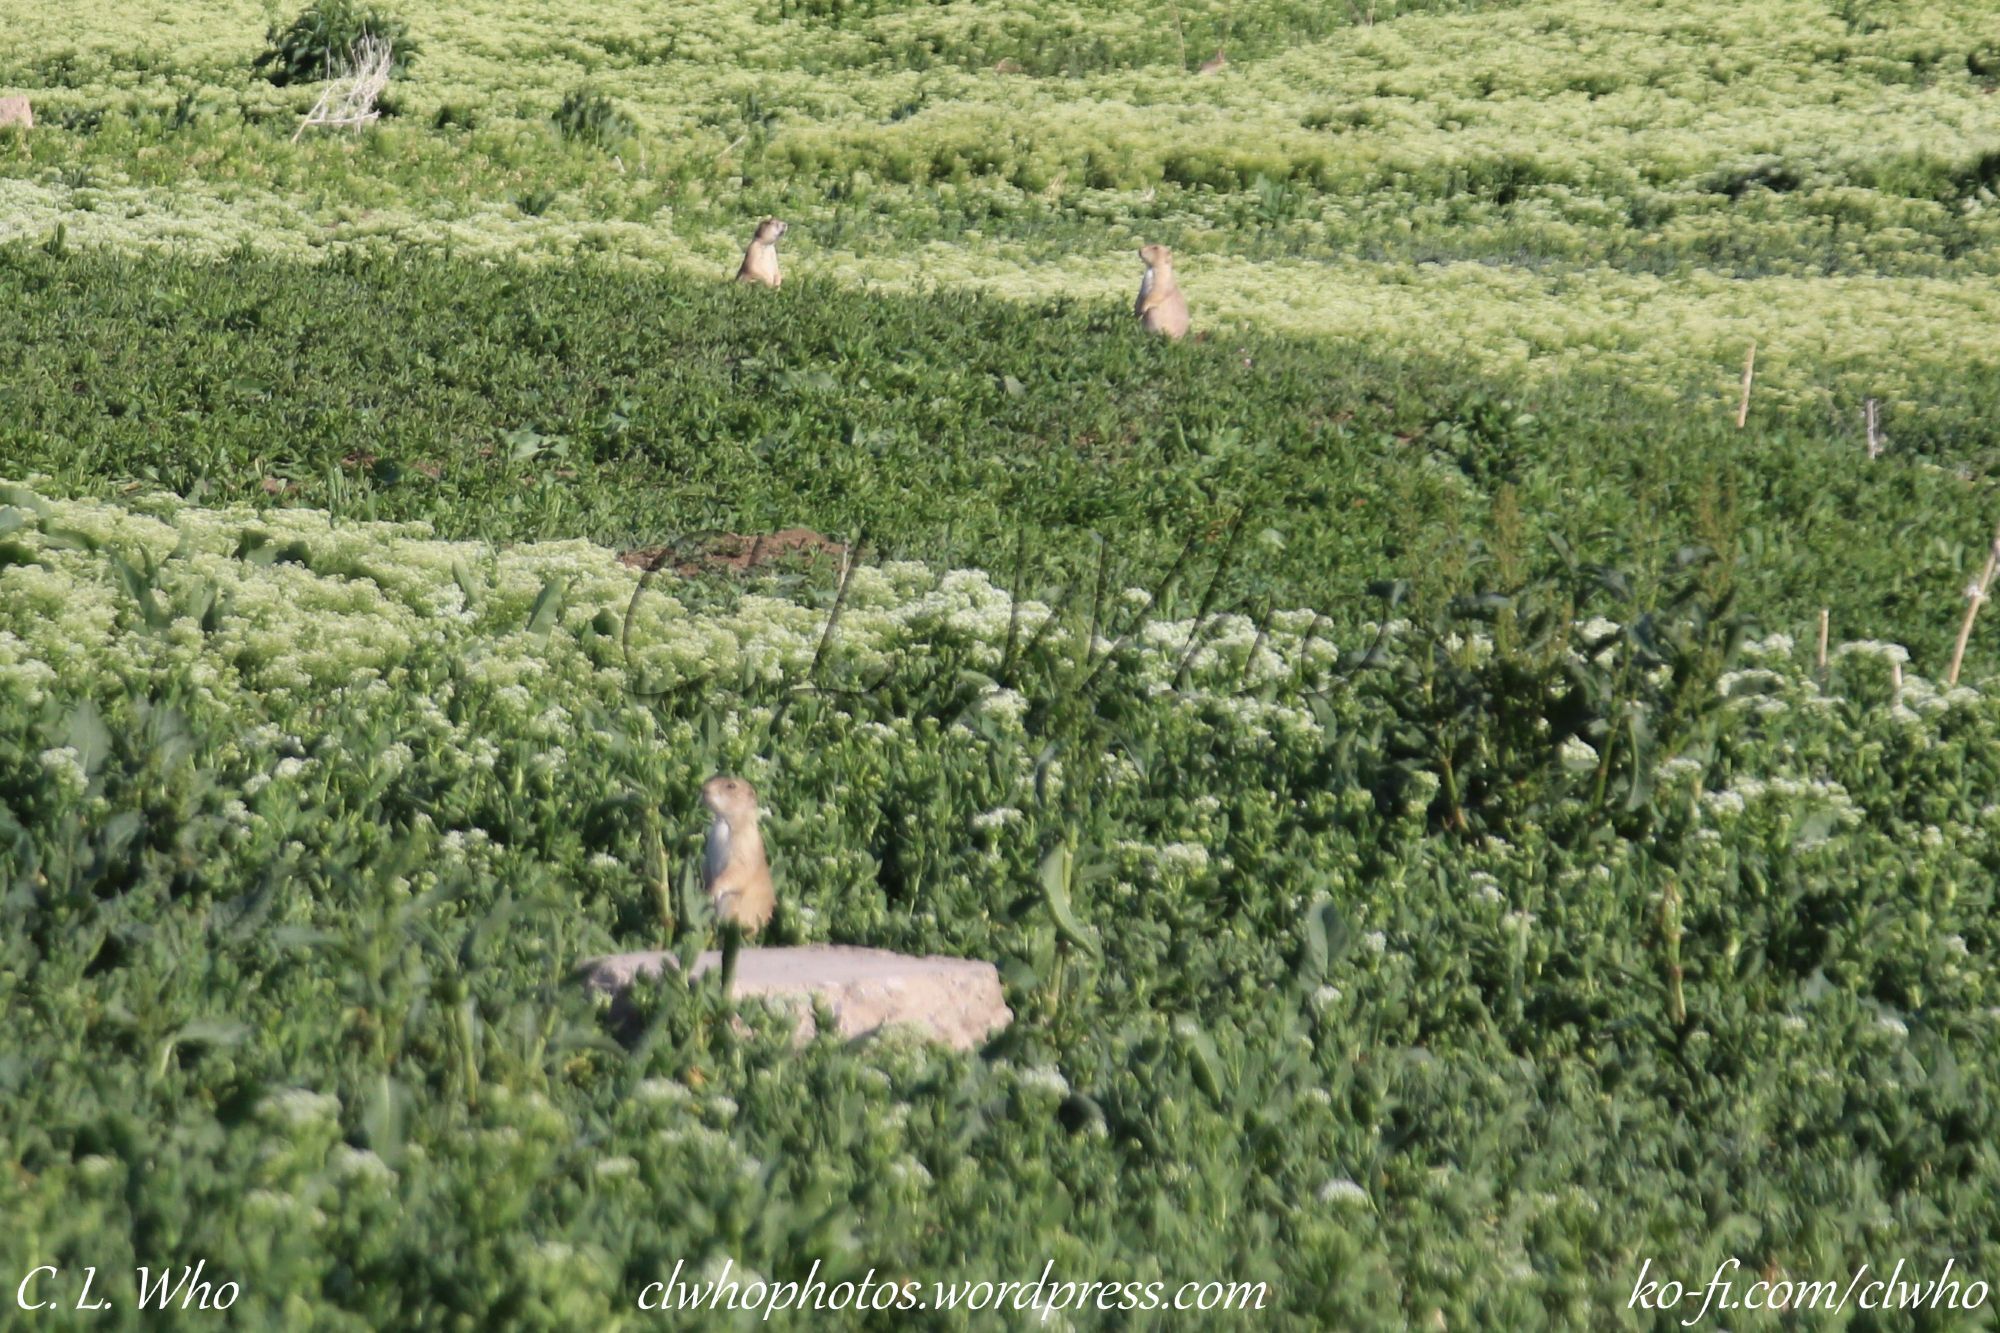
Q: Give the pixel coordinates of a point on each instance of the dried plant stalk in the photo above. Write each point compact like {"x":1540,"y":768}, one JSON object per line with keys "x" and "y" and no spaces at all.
{"x":1670,"y":930}
{"x":349,"y":100}
{"x":1749,"y":373}
{"x":1975,"y":596}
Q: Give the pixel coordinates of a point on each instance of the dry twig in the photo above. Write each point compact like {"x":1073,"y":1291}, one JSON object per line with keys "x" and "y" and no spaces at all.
{"x":1749,"y":373}
{"x":1975,"y":596}
{"x":349,"y":99}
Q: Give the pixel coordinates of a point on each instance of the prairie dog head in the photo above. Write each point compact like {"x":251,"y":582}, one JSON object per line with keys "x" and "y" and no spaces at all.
{"x":1157,"y":257}
{"x":768,"y":232}
{"x":733,"y":799}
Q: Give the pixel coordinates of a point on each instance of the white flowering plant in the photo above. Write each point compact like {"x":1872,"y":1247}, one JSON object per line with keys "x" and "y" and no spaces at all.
{"x":1413,"y":952}
{"x":391,"y":788}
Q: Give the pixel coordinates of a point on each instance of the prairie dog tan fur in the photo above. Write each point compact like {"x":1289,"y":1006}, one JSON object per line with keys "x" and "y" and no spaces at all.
{"x":760,"y":261}
{"x":1161,"y":308}
{"x":734,"y":871}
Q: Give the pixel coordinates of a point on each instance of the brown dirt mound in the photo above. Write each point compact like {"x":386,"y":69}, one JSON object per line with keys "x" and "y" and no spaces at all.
{"x":735,"y":552}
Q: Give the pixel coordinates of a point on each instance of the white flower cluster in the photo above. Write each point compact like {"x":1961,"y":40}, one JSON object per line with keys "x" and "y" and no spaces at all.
{"x":1172,"y":859}
{"x":1770,"y":646}
{"x":1894,"y":653}
{"x":1678,"y":767}
{"x":1045,"y":1080}
{"x":299,"y":1106}
{"x":1781,"y":794}
{"x":350,"y":1163}
{"x":1577,"y":754}
{"x":391,"y":594}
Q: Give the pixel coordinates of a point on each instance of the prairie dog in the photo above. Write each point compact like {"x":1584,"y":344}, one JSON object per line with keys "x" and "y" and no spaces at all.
{"x":760,"y":261}
{"x":734,"y":871}
{"x":1161,"y":308}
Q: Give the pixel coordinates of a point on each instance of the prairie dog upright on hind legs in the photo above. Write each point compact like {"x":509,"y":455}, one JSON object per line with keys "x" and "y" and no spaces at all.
{"x":760,"y":261}
{"x":734,"y":871}
{"x":1161,"y":308}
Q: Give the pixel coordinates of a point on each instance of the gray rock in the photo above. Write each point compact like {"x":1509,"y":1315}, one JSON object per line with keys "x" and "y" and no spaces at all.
{"x":953,"y":1000}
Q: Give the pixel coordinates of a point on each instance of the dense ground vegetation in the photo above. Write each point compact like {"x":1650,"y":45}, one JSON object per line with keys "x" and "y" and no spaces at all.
{"x":1411,"y":971}
{"x":634,"y":409}
{"x":1642,"y":188}
{"x":1480,"y":887}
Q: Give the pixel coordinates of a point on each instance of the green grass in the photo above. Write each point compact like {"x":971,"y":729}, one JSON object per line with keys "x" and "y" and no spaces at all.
{"x":632,"y":409}
{"x":1635,"y":192}
{"x":1417,"y":977}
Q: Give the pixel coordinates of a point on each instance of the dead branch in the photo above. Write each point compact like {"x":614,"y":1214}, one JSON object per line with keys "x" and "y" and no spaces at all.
{"x":348,"y":101}
{"x":1975,"y":597}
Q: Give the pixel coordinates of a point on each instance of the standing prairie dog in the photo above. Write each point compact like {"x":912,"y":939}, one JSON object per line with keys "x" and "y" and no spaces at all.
{"x":734,"y":871}
{"x":1161,"y":308}
{"x":760,"y":261}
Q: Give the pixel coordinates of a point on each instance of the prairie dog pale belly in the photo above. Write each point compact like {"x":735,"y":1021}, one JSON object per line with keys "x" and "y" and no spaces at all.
{"x":734,"y":870}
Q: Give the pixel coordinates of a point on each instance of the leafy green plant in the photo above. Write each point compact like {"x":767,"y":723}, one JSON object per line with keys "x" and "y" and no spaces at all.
{"x":1349,"y":466}
{"x":535,"y":201}
{"x":455,"y":116}
{"x":588,"y":116}
{"x":321,"y":40}
{"x":1412,"y":951}
{"x":1292,"y":1014}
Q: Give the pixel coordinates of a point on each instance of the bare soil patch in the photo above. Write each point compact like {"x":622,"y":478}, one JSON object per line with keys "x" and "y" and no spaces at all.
{"x":736,"y":552}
